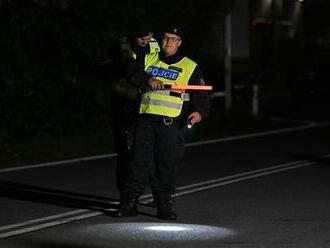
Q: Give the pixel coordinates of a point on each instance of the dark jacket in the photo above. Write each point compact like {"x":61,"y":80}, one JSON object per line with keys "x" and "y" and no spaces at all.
{"x":124,"y":110}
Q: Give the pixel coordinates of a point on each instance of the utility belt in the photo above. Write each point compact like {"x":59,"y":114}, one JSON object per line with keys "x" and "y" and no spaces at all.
{"x":166,"y":120}
{"x":169,"y":120}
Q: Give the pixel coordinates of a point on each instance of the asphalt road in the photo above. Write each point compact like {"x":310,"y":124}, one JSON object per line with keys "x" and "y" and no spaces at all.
{"x":261,"y":190}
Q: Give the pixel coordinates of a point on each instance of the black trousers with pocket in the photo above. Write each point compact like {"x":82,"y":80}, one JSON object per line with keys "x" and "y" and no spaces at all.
{"x":158,"y":151}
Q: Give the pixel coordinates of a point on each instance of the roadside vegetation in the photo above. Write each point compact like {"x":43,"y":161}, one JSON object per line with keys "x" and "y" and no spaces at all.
{"x":54,"y":89}
{"x":97,"y":140}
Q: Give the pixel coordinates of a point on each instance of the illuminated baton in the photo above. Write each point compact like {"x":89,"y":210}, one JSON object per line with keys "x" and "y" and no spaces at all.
{"x":188,"y":87}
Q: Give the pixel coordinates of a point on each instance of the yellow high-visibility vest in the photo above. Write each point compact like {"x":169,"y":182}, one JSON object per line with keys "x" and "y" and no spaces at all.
{"x":154,"y":46}
{"x":127,"y":51}
{"x":163,"y":102}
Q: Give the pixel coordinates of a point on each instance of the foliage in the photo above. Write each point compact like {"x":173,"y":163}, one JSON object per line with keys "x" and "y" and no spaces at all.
{"x":52,"y":84}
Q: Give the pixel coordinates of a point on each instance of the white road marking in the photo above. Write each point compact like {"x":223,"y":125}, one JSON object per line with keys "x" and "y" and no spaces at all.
{"x":253,"y":135}
{"x":89,"y":214}
{"x":184,"y":190}
{"x":271,"y":168}
{"x":51,"y":217}
{"x":206,"y":142}
{"x":62,"y":162}
{"x":240,"y":179}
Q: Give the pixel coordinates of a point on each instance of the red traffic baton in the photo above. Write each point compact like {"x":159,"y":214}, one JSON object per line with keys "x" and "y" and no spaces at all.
{"x":187,"y":87}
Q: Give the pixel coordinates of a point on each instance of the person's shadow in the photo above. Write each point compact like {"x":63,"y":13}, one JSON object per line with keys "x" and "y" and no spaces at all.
{"x":63,"y":198}
{"x":26,"y":192}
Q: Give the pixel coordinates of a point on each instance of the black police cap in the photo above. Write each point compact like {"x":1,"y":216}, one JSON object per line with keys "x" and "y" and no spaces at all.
{"x":176,"y":30}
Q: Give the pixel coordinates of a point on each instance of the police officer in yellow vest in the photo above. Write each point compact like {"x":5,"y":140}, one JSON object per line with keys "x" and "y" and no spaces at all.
{"x":125,"y":100}
{"x":161,"y":125}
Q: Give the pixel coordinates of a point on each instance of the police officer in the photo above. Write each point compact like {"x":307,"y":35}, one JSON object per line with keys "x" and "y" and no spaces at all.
{"x":161,"y":125}
{"x":125,"y":100}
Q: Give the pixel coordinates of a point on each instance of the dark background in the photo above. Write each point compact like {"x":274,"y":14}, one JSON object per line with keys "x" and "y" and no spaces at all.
{"x":54,"y":96}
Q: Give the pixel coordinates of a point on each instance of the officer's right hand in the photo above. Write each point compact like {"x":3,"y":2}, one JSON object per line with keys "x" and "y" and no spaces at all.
{"x":155,"y":84}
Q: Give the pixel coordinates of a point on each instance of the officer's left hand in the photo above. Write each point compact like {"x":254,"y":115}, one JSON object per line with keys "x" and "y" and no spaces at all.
{"x":195,"y":117}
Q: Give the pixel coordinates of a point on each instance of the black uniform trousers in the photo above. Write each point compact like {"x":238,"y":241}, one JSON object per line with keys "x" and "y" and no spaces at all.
{"x":123,"y":146}
{"x":124,"y":118}
{"x":158,"y":151}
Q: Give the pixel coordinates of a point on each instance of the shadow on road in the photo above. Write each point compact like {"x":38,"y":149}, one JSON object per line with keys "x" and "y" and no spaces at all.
{"x":32,"y":193}
{"x":62,"y":198}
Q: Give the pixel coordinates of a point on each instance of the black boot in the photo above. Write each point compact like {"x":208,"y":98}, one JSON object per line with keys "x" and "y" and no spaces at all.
{"x":165,"y":211}
{"x":128,"y":208}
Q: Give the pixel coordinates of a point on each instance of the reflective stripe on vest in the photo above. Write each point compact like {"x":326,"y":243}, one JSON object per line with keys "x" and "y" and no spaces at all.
{"x":162,"y":102}
{"x":184,"y":96}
